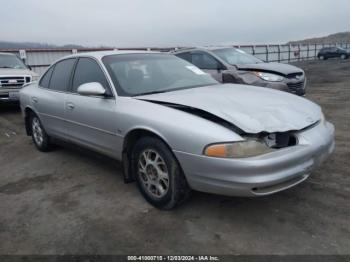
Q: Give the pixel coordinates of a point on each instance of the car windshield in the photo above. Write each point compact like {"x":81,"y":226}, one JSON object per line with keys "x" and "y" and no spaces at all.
{"x":11,"y":61}
{"x":236,"y":57}
{"x":140,"y":74}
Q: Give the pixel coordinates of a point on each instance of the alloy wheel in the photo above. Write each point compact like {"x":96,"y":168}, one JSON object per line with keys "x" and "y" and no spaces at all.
{"x":153,"y":173}
{"x":37,"y":131}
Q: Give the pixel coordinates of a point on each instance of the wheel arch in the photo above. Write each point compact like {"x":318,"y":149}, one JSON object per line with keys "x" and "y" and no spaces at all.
{"x":129,"y":142}
{"x":28,"y":111}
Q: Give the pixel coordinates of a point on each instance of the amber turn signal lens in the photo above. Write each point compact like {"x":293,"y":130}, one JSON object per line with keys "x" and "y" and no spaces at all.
{"x":216,"y":151}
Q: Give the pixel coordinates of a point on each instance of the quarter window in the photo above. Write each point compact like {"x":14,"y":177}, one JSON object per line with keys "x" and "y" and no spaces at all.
{"x":61,"y":75}
{"x":88,"y":71}
{"x":45,"y":80}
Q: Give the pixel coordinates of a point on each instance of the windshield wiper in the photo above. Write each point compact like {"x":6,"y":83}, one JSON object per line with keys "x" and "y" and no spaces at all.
{"x":151,"y":93}
{"x":6,"y":67}
{"x":175,"y":89}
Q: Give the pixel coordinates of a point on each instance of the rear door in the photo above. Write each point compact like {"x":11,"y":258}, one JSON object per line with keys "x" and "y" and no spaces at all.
{"x":49,"y":102}
{"x":91,"y":119}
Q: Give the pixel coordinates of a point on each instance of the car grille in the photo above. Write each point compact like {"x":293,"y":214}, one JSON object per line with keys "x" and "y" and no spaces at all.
{"x":295,"y":75}
{"x":295,"y":86}
{"x":13,"y":81}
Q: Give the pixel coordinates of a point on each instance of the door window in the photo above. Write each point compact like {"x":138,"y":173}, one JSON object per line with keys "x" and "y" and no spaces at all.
{"x":61,"y":75}
{"x":88,"y":71}
{"x":204,"y":61}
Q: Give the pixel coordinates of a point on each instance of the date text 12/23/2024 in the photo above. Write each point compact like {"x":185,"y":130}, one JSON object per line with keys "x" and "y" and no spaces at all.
{"x":173,"y":258}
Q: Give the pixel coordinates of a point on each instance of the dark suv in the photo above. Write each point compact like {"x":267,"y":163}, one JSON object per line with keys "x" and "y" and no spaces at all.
{"x":332,"y":52}
{"x":231,"y":65}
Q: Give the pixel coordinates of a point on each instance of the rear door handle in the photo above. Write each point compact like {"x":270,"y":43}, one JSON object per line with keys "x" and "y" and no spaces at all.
{"x":35,"y":99}
{"x":70,"y":106}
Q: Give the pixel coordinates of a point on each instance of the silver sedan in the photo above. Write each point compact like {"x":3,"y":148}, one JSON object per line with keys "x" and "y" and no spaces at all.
{"x":174,"y":127}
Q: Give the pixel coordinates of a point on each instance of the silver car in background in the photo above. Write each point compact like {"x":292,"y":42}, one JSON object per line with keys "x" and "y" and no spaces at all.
{"x":174,"y":127}
{"x":231,"y":65}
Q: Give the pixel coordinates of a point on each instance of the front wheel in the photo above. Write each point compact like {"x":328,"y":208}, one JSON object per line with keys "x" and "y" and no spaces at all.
{"x":322,"y":57}
{"x":39,"y":136}
{"x":343,"y":56}
{"x":158,"y":174}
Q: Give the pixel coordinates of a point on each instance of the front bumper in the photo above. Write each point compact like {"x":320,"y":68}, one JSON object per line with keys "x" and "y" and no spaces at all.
{"x":294,"y":87}
{"x":291,"y":85}
{"x":262,"y":175}
{"x":9,"y":95}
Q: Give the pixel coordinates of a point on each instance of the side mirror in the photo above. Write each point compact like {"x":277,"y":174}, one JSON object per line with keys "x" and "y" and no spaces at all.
{"x":221,"y":67}
{"x":91,"y":89}
{"x":29,"y":67}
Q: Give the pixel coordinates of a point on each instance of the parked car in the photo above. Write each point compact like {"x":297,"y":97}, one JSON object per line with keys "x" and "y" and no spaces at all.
{"x":174,"y":127}
{"x":231,"y":65}
{"x":13,"y":75}
{"x":333,"y":52}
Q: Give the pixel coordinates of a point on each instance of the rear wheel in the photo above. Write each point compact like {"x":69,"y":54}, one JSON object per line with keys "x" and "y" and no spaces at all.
{"x":343,"y":56}
{"x":322,"y":57}
{"x":39,"y":136}
{"x":158,"y":175}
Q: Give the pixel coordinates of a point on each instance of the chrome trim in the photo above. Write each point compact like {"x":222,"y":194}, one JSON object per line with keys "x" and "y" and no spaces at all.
{"x":3,"y":77}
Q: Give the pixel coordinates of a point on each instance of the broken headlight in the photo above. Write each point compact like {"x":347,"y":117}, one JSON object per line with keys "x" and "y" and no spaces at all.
{"x":269,"y":77}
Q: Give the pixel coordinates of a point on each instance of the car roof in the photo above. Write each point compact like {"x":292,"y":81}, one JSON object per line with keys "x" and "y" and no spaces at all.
{"x":205,"y":48}
{"x":101,"y":54}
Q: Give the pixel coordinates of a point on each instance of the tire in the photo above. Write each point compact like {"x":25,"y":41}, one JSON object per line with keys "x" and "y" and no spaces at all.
{"x":343,"y":57}
{"x":322,"y":57}
{"x":159,"y":176}
{"x":40,"y":138}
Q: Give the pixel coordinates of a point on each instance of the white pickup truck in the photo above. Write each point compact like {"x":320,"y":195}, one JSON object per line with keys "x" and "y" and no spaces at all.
{"x":13,"y":75}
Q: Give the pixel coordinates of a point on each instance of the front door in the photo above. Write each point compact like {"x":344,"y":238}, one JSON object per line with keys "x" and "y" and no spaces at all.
{"x":91,"y":120}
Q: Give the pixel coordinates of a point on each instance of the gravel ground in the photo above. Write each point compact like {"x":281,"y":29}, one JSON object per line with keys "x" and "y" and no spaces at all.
{"x":70,"y":201}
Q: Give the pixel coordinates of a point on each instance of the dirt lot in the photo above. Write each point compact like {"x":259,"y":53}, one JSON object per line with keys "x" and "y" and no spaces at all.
{"x":70,"y":201}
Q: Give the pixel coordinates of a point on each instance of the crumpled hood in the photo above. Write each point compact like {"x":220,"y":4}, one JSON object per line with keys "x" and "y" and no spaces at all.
{"x":16,"y":72}
{"x":283,"y":69}
{"x":252,"y":109}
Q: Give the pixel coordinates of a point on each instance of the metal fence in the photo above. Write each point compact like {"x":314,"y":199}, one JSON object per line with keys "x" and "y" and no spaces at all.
{"x":40,"y":59}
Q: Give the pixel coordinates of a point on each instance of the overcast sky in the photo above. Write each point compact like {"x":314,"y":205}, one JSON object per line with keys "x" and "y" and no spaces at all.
{"x":136,"y":23}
